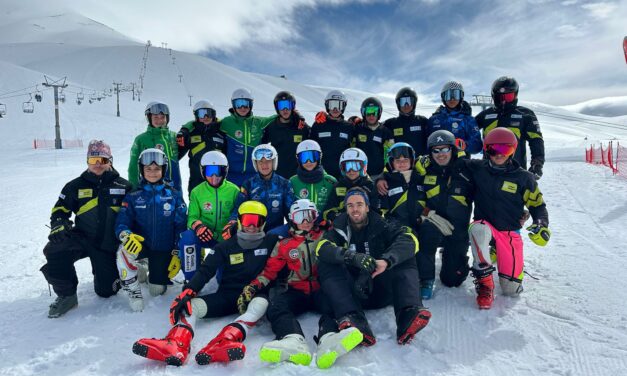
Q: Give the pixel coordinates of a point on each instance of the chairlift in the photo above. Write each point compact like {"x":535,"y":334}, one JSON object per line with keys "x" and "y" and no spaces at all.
{"x":78,"y":102}
{"x":28,"y":107}
{"x":3,"y":109}
{"x":38,"y":95}
{"x":62,"y":97}
{"x":93,"y":97}
{"x":80,"y":96}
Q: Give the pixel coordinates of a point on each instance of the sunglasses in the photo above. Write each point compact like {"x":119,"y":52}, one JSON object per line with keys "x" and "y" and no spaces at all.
{"x":213,"y":170}
{"x":441,"y":150}
{"x":251,"y":219}
{"x":284,"y":104}
{"x":312,"y":156}
{"x":263,"y":154}
{"x":500,"y":149}
{"x":371,"y":111}
{"x":304,"y":216}
{"x":349,"y":166}
{"x":451,"y":94}
{"x":205,"y":113}
{"x":507,"y":97}
{"x":242,"y":103}
{"x":405,"y":101}
{"x":98,"y":160}
{"x":335,"y":104}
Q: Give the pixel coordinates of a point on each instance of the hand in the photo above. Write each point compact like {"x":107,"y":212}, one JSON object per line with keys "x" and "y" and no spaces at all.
{"x":539,"y":233}
{"x":227,"y":230}
{"x":363,"y":285}
{"x":321,"y":117}
{"x":382,"y":187}
{"x":360,"y":260}
{"x":381,"y":266}
{"x":536,"y":168}
{"x":181,"y":305}
{"x":202,"y":232}
{"x":442,"y":224}
{"x":182,"y":138}
{"x":460,"y":144}
{"x":60,"y":230}
{"x":248,"y":293}
{"x":175,"y":265}
{"x":422,"y":162}
{"x":132,"y":243}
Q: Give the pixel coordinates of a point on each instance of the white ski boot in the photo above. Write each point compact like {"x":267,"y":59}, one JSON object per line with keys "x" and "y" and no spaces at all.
{"x":333,"y":345}
{"x":292,"y":348}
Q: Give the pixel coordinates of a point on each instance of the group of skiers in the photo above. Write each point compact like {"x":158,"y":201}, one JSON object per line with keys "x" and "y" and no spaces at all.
{"x":337,"y":217}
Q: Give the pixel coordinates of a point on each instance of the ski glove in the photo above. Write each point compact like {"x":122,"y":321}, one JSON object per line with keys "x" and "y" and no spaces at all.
{"x":181,"y":305}
{"x":182,"y":138}
{"x":175,"y":264}
{"x":442,"y":224}
{"x":360,"y":260}
{"x":536,"y":169}
{"x":363,"y":285}
{"x":321,"y":117}
{"x":248,"y":293}
{"x":132,"y":243}
{"x":60,"y":230}
{"x":422,"y":162}
{"x":539,"y":233}
{"x":202,"y":232}
{"x":227,"y":231}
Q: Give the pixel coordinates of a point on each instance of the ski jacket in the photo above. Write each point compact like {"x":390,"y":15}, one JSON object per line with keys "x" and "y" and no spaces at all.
{"x":500,"y":195}
{"x":212,"y":206}
{"x":243,"y":134}
{"x":380,"y":239}
{"x":276,"y":194}
{"x":411,"y":129}
{"x":402,"y":203}
{"x":334,"y":136}
{"x":523,"y":122}
{"x":285,"y":137}
{"x":458,"y":122}
{"x":375,"y":143}
{"x":239,"y":265}
{"x":162,"y":139}
{"x":95,"y":202}
{"x":298,"y":253}
{"x":317,"y":192}
{"x":335,"y":202}
{"x":198,"y":139}
{"x":156,"y":212}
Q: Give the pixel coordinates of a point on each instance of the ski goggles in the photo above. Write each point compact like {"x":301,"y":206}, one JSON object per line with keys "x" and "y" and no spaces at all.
{"x":159,"y":108}
{"x":242,"y":103}
{"x":405,"y":101}
{"x":335,"y":104}
{"x":284,"y":104}
{"x":348,"y":166}
{"x":312,"y":156}
{"x":401,"y":151}
{"x":507,"y":97}
{"x":371,"y":111}
{"x":452,"y":94}
{"x":500,"y":149}
{"x":98,"y":160}
{"x":260,"y":154}
{"x":251,"y":219}
{"x":146,"y":159}
{"x":302,"y":216}
{"x":206,"y":113}
{"x":445,"y":149}
{"x":214,"y":170}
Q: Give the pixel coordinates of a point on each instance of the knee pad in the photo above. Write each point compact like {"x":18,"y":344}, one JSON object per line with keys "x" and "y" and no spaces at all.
{"x":480,"y":238}
{"x":199,"y":308}
{"x":156,"y":290}
{"x":510,"y":287}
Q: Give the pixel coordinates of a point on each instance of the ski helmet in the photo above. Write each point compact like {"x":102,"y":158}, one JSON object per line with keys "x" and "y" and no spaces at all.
{"x":241,"y":98}
{"x":251,"y":213}
{"x":150,"y":156}
{"x":265,"y":151}
{"x":369,"y":104}
{"x":290,"y":101}
{"x":500,"y":141}
{"x":505,"y":92}
{"x":335,"y":95}
{"x":452,"y":90}
{"x":353,"y":159}
{"x":440,"y":138}
{"x":214,"y":163}
{"x":406,"y":92}
{"x":303,"y":210}
{"x":204,"y":105}
{"x":155,"y":108}
{"x":308,"y":150}
{"x":400,"y":149}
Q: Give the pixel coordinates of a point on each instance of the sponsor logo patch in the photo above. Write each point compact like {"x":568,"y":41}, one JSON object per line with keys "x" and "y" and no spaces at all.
{"x":237,"y":258}
{"x":398,"y":132}
{"x":261,"y":252}
{"x":510,"y":187}
{"x":85,"y":193}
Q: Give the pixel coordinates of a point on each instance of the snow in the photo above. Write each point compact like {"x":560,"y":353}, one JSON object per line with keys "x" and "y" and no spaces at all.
{"x":570,"y":321}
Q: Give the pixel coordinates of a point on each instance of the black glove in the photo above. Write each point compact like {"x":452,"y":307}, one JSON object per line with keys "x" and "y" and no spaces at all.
{"x":360,"y":260}
{"x":363,"y":285}
{"x":182,"y":304}
{"x":536,"y":169}
{"x":60,"y":229}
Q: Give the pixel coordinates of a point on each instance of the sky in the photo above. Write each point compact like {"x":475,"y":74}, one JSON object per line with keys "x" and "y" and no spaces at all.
{"x":561,"y":52}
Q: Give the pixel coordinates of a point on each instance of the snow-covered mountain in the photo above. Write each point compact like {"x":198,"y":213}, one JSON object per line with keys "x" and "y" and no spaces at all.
{"x":570,"y":320}
{"x":607,"y":107}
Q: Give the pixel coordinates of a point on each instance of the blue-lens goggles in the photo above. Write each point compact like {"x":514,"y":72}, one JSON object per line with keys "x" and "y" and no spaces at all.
{"x":284,"y":104}
{"x":312,"y":156}
{"x":263,"y":154}
{"x":213,"y":170}
{"x":451,"y":94}
{"x":405,"y":101}
{"x":348,"y":166}
{"x":242,"y":102}
{"x":206,"y":112}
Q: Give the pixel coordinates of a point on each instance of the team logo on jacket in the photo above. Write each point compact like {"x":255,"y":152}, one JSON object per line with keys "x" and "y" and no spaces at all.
{"x":207,"y":206}
{"x":455,"y":125}
{"x":167,"y":206}
{"x":304,"y":193}
{"x":275,"y":203}
{"x":293,"y":254}
{"x":239,"y":133}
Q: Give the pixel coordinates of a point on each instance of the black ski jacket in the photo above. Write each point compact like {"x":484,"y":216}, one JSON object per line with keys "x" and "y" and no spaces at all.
{"x":334,"y":136}
{"x":375,"y":143}
{"x":411,"y":129}
{"x":285,"y":137}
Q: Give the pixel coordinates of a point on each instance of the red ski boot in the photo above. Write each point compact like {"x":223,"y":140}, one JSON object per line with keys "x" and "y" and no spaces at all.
{"x":410,"y":321}
{"x":227,"y":346}
{"x":485,"y":291}
{"x":173,"y":349}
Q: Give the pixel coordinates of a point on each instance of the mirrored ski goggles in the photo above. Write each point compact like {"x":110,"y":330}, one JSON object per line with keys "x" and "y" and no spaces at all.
{"x":502,"y":149}
{"x":451,"y":94}
{"x":371,"y":111}
{"x":507,"y":97}
{"x":242,"y":103}
{"x":159,"y":108}
{"x":445,"y":149}
{"x":335,"y":104}
{"x":98,"y":160}
{"x":213,"y":170}
{"x":263,"y":154}
{"x":312,"y":156}
{"x":401,"y":151}
{"x":302,"y":216}
{"x":206,"y":113}
{"x":349,"y":166}
{"x":251,"y":219}
{"x":405,"y":101}
{"x":284,"y":104}
{"x":146,"y":159}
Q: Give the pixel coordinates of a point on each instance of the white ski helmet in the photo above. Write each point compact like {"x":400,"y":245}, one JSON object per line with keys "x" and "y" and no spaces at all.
{"x":154,"y":108}
{"x":354,"y":154}
{"x":452,"y":85}
{"x":308,"y":145}
{"x":335,"y":95}
{"x":150,"y":156}
{"x":265,"y":151}
{"x":214,"y":158}
{"x":303,"y":209}
{"x":206,"y":105}
{"x":242,"y":93}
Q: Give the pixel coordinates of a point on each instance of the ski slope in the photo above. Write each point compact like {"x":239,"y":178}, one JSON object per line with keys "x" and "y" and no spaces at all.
{"x":569,"y":321}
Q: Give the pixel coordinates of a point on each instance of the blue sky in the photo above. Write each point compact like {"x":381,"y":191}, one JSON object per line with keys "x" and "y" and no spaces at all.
{"x":562,"y":52}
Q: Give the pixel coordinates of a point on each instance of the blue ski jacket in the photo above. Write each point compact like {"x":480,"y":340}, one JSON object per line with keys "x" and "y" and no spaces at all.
{"x":460,"y":123}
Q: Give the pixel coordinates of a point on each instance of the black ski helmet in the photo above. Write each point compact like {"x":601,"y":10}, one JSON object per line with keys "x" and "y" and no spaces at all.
{"x":406,"y":92}
{"x":371,"y":102}
{"x":504,"y":85}
{"x":440,"y":138}
{"x":284,"y":95}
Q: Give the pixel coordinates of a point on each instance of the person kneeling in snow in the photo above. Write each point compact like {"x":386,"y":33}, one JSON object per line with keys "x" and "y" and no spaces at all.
{"x":241,"y":258}
{"x":378,"y":261}
{"x":149,"y":225}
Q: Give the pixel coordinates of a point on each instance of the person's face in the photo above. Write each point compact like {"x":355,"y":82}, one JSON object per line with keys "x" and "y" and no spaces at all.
{"x":214,"y":180}
{"x":439,"y":156}
{"x":285,"y":113}
{"x":357,"y":209}
{"x":242,"y":111}
{"x":401,"y":164}
{"x":335,"y":113}
{"x":206,"y":120}
{"x":407,"y":108}
{"x":99,"y":167}
{"x":452,"y":103}
{"x":252,"y":229}
{"x":371,"y":119}
{"x":352,"y":175}
{"x":264,"y":166}
{"x":310,"y":166}
{"x":153,"y":173}
{"x":305,"y":226}
{"x":499,"y":159}
{"x":158,"y":120}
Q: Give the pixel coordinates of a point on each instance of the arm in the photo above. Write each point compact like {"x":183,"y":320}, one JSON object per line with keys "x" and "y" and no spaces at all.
{"x":327,"y":249}
{"x":193,"y":213}
{"x":473,"y":136}
{"x":536,"y":142}
{"x":333,"y":206}
{"x":65,"y":205}
{"x":133,"y":173}
{"x":125,"y":216}
{"x":534,"y":201}
{"x":402,"y":245}
{"x":180,"y":218}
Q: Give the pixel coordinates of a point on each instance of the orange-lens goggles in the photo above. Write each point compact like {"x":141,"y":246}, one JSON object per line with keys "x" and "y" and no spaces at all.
{"x":502,"y":149}
{"x":98,"y":160}
{"x":252,"y":220}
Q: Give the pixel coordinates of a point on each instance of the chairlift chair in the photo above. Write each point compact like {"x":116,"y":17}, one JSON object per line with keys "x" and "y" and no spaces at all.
{"x":3,"y":109}
{"x":80,"y":96}
{"x":62,"y":97}
{"x":28,"y":107}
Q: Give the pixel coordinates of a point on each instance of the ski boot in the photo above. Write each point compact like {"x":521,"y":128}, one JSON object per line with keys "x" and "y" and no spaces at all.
{"x":134,"y":292}
{"x":426,"y":288}
{"x":61,"y":305}
{"x":292,"y":348}
{"x":358,"y":320}
{"x":227,"y":346}
{"x":333,"y":345}
{"x":410,"y":321}
{"x":173,"y":349}
{"x":485,"y":291}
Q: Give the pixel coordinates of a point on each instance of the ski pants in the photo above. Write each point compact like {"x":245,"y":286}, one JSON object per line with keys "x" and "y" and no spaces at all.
{"x":399,"y":286}
{"x":223,"y":302}
{"x":59,"y":269}
{"x":284,"y":308}
{"x":454,"y":258}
